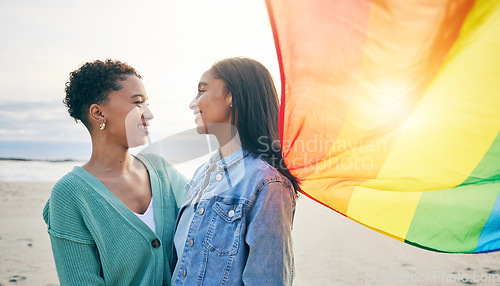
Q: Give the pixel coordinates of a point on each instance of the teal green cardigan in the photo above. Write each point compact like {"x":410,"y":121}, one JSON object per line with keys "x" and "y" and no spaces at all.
{"x":97,"y":240}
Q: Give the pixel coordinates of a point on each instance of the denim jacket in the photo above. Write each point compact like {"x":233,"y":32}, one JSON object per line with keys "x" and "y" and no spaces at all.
{"x":241,"y":229}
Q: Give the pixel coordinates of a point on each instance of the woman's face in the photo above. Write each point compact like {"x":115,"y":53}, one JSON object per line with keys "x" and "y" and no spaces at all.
{"x":126,"y":114}
{"x":212,"y":105}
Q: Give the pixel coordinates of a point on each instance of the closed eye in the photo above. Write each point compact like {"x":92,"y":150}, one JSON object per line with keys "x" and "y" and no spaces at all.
{"x":141,"y":103}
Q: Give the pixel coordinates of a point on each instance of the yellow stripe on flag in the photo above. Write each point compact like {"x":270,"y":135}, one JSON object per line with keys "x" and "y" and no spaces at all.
{"x":446,"y":137}
{"x":391,"y":212}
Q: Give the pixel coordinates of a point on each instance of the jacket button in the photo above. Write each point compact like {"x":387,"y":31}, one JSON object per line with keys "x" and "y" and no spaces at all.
{"x":201,"y":211}
{"x":218,"y":177}
{"x":155,"y":243}
{"x":184,"y":273}
{"x":191,"y":242}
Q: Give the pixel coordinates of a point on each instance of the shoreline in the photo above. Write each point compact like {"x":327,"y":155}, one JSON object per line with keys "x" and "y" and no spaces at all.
{"x":329,"y":249}
{"x":16,"y":159}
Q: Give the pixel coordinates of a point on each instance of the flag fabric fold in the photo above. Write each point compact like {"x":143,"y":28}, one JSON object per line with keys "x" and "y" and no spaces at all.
{"x":390,"y":114}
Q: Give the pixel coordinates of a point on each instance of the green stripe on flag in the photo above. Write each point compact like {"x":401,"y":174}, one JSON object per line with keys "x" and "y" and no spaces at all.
{"x":468,"y":204}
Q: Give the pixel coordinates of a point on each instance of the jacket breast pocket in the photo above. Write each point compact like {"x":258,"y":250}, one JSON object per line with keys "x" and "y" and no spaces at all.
{"x":224,"y":233}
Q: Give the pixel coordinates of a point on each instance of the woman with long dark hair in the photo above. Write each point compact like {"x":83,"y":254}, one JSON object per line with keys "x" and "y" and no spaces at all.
{"x":235,"y":225}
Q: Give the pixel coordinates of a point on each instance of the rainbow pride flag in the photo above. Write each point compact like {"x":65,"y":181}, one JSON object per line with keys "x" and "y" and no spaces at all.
{"x":390,"y":113}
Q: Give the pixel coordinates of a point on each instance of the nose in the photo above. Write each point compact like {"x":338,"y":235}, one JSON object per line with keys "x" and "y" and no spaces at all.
{"x":193,"y":104}
{"x":147,"y":114}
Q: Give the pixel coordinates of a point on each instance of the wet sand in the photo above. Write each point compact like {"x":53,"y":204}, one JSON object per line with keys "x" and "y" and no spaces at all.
{"x":329,"y":249}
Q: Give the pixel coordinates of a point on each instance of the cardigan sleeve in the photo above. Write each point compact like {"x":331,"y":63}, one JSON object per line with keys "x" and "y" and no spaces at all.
{"x":63,"y":214}
{"x":75,"y":253}
{"x":76,"y":263}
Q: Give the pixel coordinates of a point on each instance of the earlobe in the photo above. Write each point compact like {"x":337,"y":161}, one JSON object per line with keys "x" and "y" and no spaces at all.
{"x":229,"y":98}
{"x":96,"y":115}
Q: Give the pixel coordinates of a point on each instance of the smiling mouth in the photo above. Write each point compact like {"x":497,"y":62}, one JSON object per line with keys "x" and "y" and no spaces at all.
{"x":197,"y":114}
{"x":144,"y":127}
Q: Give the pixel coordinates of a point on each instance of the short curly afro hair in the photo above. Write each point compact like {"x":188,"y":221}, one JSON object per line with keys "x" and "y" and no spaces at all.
{"x":92,"y":83}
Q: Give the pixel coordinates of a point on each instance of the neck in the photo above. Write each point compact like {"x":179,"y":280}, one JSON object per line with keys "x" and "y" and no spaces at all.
{"x":229,"y":148}
{"x":108,"y":158}
{"x":227,"y":142}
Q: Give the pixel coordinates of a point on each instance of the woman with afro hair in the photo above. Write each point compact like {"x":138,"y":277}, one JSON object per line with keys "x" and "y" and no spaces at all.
{"x":111,"y":220}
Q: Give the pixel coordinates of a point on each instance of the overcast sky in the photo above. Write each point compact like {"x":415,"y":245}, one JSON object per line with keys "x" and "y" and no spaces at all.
{"x":170,"y":43}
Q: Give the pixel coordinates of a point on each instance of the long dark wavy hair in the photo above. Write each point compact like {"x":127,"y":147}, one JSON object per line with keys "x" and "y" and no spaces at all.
{"x":255,"y":109}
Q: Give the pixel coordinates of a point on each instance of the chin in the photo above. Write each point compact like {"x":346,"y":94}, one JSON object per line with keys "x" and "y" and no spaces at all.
{"x":137,"y":144}
{"x":201,"y":130}
{"x":137,"y":141}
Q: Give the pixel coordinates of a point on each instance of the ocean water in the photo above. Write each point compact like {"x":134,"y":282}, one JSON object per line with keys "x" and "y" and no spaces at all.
{"x":47,"y":171}
{"x":40,"y":171}
{"x":45,"y":150}
{"x":49,"y":161}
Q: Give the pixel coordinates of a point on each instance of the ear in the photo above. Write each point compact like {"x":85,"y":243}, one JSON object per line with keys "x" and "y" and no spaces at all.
{"x":229,"y":99}
{"x":95,"y":113}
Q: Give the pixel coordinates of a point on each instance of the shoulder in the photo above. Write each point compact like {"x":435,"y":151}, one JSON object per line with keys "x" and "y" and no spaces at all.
{"x":63,"y":211}
{"x":154,"y":160}
{"x":263,"y":176}
{"x":157,"y":163}
{"x":264,"y":172}
{"x":162,"y":168}
{"x":269,"y":188}
{"x":69,"y":188}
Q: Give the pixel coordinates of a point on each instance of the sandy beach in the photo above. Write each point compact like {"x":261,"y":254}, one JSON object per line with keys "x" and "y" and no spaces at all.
{"x":25,"y":253}
{"x":329,"y":249}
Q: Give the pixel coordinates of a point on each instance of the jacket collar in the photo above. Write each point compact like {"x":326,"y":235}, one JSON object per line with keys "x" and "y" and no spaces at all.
{"x":230,"y":160}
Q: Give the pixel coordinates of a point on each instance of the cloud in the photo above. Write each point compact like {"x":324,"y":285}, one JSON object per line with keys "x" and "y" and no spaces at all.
{"x":171,"y":43}
{"x":38,"y":121}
